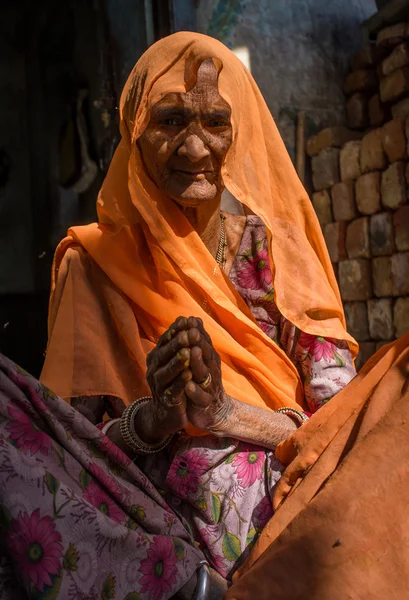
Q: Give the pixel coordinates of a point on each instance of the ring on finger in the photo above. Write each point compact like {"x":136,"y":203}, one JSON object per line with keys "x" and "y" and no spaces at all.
{"x":205,"y":384}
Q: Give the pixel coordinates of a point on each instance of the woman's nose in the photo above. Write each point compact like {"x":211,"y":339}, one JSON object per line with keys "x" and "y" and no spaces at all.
{"x":193,"y":149}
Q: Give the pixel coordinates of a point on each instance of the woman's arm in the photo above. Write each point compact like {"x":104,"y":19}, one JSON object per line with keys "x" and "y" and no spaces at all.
{"x":253,"y":424}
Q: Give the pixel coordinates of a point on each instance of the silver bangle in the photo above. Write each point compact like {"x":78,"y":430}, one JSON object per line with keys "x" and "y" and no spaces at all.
{"x":293,"y":412}
{"x":108,"y":425}
{"x":129,"y":435}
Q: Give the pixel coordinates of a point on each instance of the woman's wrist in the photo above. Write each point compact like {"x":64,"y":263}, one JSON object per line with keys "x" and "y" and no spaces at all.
{"x":224,"y":416}
{"x":147,"y":428}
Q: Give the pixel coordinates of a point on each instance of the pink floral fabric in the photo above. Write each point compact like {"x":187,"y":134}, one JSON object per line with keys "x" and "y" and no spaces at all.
{"x":79,"y":519}
{"x":324,"y":364}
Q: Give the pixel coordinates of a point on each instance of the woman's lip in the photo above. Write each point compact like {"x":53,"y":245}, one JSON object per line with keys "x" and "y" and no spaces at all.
{"x":199,"y":175}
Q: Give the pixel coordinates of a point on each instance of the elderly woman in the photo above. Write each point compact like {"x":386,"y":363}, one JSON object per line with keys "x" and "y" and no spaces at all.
{"x":219,"y":334}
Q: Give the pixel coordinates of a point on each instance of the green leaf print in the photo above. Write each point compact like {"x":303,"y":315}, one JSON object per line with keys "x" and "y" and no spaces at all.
{"x":137,"y":512}
{"x":216,"y":508}
{"x":93,"y":446}
{"x":201,"y":503}
{"x":108,"y":589}
{"x":231,"y":547}
{"x":339,"y":360}
{"x":132,"y":596}
{"x":259,"y":244}
{"x":70,"y":559}
{"x":52,"y":483}
{"x":85,"y":478}
{"x":179,"y":548}
{"x":230,"y":458}
{"x":50,"y":592}
{"x":251,"y":536}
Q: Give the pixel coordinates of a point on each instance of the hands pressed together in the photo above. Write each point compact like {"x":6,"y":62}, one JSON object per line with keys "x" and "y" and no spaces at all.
{"x":184,"y":358}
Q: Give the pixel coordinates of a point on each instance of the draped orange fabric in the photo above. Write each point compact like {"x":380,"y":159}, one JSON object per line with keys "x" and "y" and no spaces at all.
{"x":118,"y":284}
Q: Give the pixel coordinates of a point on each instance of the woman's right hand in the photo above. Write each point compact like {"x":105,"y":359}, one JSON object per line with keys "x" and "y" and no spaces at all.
{"x":167,"y":374}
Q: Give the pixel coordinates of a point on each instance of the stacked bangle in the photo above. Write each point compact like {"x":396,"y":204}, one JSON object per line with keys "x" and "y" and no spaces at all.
{"x":299,"y":416}
{"x":129,"y":435}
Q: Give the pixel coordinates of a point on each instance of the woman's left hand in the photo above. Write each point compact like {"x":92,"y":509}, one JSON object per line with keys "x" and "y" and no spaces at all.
{"x":207,"y":408}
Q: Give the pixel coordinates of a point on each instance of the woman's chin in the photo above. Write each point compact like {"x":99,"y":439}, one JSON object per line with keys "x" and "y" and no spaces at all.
{"x":198,"y":193}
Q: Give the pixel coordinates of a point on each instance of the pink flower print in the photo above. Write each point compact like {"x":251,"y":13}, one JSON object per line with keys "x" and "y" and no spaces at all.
{"x":248,"y":466}
{"x":103,"y":502}
{"x":36,"y":546}
{"x":185,"y":472}
{"x":256,"y":273}
{"x":318,"y":347}
{"x":159,"y":569}
{"x":113,"y":452}
{"x":25,"y":432}
{"x":105,"y":480}
{"x":263,"y":512}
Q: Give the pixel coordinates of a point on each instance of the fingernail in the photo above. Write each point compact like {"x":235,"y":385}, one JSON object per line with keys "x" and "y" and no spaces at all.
{"x":171,"y":333}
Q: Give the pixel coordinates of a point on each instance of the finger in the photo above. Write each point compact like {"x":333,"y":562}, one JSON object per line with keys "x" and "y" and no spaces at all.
{"x":165,"y":375}
{"x":197,"y":339}
{"x":178,"y":325}
{"x":199,"y":370}
{"x":165,"y":354}
{"x":196,"y":322}
{"x":175,"y":393}
{"x":199,"y":399}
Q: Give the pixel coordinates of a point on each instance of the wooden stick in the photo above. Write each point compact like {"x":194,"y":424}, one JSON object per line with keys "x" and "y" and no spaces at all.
{"x":300,"y":148}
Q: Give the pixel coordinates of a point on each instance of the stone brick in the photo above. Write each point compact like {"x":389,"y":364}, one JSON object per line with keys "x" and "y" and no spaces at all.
{"x":357,"y":111}
{"x":400,"y":274}
{"x":321,"y":202}
{"x":363,"y":80}
{"x":399,"y":57}
{"x":380,"y":319}
{"x":401,"y":316}
{"x":401,"y":224}
{"x":349,"y":160}
{"x":393,"y":186}
{"x":378,"y":112}
{"x":382,"y":276}
{"x":363,"y":58}
{"x":343,"y":202}
{"x":391,"y":36}
{"x":357,"y":239}
{"x":325,"y":169}
{"x":406,"y":125}
{"x":368,"y":193}
{"x":401,"y":109}
{"x":366,"y":350}
{"x":373,"y":157}
{"x":356,"y":314}
{"x":331,"y":136}
{"x":382,"y":235}
{"x":334,"y":235}
{"x":394,"y":140}
{"x":355,"y":279}
{"x":395,"y":85}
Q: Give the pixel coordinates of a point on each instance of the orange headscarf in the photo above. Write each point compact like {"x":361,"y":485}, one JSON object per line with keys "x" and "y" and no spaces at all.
{"x":145,"y":265}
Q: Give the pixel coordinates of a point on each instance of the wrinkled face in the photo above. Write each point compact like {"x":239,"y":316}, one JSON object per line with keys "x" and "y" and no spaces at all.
{"x":186,"y":141}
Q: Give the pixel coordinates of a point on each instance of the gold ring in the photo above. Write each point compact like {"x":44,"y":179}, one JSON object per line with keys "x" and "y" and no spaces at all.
{"x":205,"y":384}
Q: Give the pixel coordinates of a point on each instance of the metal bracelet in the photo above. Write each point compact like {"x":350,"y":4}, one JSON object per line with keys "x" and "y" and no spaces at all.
{"x":108,"y":425}
{"x":129,"y":435}
{"x":293,"y":412}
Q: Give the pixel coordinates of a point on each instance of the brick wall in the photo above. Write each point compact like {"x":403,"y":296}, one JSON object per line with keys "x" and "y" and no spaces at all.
{"x":361,"y":187}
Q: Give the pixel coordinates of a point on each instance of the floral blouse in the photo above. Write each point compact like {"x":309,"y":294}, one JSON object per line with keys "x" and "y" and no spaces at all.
{"x":324,"y":364}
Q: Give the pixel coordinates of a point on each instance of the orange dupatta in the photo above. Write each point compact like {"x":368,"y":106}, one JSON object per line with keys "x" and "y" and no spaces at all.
{"x":144,"y":265}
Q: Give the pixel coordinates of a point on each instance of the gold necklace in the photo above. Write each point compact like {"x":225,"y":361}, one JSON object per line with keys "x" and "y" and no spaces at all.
{"x":221,"y":251}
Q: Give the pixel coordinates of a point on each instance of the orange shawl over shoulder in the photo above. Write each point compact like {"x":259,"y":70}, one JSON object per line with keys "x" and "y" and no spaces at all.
{"x":118,"y":284}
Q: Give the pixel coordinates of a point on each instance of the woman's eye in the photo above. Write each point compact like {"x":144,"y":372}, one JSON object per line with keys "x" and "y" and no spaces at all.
{"x":218,"y":123}
{"x":171,"y":122}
